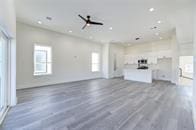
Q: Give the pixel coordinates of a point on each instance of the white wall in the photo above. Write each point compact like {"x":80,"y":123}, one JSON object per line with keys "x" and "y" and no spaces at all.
{"x":105,"y":60}
{"x":186,"y":49}
{"x":113,"y":54}
{"x":182,"y":18}
{"x":8,"y":25}
{"x":175,"y":59}
{"x":164,"y":67}
{"x":71,"y":57}
{"x":7,"y":17}
{"x":148,"y":47}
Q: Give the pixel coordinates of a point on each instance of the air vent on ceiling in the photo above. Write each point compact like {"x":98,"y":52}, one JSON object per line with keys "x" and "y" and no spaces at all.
{"x":49,"y":18}
{"x":153,"y":28}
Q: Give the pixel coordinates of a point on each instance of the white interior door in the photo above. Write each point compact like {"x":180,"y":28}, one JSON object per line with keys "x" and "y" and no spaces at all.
{"x":3,"y":73}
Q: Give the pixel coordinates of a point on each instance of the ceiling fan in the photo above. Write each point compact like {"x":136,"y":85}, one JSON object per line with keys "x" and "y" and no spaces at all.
{"x":88,"y":21}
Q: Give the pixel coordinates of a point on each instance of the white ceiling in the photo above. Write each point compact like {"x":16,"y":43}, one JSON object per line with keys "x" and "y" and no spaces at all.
{"x":128,"y":18}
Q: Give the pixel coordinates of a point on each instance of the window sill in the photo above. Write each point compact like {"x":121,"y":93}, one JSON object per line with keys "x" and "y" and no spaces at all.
{"x":42,"y":74}
{"x":95,"y":71}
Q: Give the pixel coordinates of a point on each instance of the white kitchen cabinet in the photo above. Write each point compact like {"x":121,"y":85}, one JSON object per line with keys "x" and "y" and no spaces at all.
{"x":155,"y":74}
{"x":164,"y":54}
{"x":168,"y":54}
{"x":131,"y":60}
{"x":150,"y":56}
{"x":126,"y":59}
{"x":152,"y":60}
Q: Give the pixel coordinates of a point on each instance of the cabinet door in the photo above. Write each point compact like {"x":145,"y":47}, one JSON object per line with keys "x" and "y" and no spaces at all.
{"x":126,"y":60}
{"x":168,"y":54}
{"x":152,"y":60}
{"x":136,"y":60}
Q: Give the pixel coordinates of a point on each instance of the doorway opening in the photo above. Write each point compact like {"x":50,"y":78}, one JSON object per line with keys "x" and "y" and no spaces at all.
{"x":186,"y":71}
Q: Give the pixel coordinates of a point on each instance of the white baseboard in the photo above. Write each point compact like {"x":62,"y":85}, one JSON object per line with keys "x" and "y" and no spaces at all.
{"x":55,"y":82}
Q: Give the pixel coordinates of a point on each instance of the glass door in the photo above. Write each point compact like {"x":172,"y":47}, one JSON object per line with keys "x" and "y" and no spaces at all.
{"x":3,"y":73}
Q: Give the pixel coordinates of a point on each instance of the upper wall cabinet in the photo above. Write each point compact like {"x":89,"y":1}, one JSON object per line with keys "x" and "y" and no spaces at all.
{"x":150,"y":56}
{"x":152,"y":60}
{"x":164,"y":54}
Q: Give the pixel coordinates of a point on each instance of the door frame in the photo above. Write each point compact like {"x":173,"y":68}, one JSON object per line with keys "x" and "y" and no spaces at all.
{"x":8,"y":76}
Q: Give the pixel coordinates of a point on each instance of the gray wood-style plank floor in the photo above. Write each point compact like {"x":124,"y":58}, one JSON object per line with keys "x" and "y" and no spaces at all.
{"x":102,"y":104}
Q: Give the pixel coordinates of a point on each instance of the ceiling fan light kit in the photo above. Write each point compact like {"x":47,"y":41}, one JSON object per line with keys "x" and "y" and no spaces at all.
{"x":88,"y":21}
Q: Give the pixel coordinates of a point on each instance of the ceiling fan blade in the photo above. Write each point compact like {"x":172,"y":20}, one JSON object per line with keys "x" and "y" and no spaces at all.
{"x":96,"y":23}
{"x":82,"y":18}
{"x":84,"y":26}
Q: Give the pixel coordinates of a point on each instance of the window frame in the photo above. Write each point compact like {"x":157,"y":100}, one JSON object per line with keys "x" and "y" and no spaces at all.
{"x":48,"y":61}
{"x":98,"y":62}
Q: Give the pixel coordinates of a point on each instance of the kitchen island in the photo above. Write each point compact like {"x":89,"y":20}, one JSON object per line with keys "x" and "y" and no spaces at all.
{"x":141,"y":75}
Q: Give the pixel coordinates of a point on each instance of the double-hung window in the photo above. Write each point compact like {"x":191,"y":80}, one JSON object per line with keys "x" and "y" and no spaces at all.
{"x":95,"y":65}
{"x":42,"y":60}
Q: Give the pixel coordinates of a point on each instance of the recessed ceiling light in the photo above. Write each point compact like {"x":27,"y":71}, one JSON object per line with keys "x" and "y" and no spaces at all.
{"x":159,"y":21}
{"x":70,"y":31}
{"x":39,"y":22}
{"x":151,"y":9}
{"x":156,"y":34}
{"x":110,"y":28}
{"x":160,"y":38}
